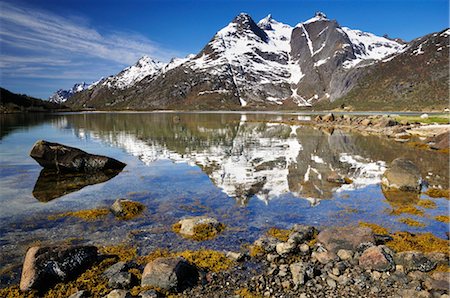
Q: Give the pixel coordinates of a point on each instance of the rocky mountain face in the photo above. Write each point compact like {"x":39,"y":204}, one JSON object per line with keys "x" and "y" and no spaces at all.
{"x":264,"y":65}
{"x":416,"y":77}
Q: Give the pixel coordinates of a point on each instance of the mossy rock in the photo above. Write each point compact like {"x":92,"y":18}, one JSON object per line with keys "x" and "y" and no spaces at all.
{"x":126,"y":209}
{"x":199,"y":228}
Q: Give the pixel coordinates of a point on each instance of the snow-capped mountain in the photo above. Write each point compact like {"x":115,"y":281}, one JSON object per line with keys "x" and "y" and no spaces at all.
{"x":62,"y":95}
{"x":144,"y":67}
{"x":247,"y":64}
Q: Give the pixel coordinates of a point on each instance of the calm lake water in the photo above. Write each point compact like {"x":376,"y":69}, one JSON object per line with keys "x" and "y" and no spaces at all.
{"x":250,"y":171}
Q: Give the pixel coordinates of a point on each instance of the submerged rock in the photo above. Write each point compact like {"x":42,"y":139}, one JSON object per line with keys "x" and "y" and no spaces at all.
{"x":69,"y":159}
{"x":199,"y":227}
{"x":170,"y":274}
{"x":45,"y":266}
{"x":402,"y":175}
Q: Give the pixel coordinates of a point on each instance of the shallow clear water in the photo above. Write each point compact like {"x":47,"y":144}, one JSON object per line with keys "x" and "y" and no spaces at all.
{"x":250,"y":171}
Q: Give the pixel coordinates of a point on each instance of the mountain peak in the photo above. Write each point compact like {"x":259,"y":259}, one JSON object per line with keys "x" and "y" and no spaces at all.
{"x":242,"y":18}
{"x":319,"y":16}
{"x":265,"y":23}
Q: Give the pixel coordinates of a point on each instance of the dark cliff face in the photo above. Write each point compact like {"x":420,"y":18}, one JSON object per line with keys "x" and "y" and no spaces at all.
{"x":320,"y":47}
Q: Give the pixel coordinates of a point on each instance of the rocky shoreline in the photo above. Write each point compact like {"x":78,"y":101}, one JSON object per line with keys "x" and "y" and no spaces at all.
{"x":403,"y":131}
{"x":357,"y":261}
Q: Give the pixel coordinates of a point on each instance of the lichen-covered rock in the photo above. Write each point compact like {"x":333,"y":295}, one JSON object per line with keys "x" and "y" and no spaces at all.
{"x":414,"y":260}
{"x":69,"y":159}
{"x":170,"y":274}
{"x":199,"y":227}
{"x":126,"y":209}
{"x":377,"y":258}
{"x":349,"y":238}
{"x":45,"y":266}
{"x":120,"y":280}
{"x":402,"y":175}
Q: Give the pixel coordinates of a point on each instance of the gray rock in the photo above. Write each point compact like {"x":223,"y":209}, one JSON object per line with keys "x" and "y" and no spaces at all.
{"x":120,"y":280}
{"x":402,"y":175}
{"x":413,"y":260}
{"x":170,"y":274}
{"x":45,"y":266}
{"x":114,"y":269}
{"x":68,"y":159}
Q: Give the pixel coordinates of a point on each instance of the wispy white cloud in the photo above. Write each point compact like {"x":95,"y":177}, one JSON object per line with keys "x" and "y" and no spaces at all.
{"x":39,"y":44}
{"x":38,"y":30}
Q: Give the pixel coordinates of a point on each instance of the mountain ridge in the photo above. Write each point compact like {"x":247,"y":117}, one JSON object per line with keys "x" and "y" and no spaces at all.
{"x":249,"y":65}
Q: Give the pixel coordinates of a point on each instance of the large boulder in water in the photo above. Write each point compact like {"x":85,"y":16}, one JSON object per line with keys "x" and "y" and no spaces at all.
{"x":402,"y":175}
{"x":68,"y":159}
{"x":45,"y":266}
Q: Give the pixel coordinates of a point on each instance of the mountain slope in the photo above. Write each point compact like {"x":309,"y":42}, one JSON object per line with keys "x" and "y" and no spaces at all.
{"x":417,"y":78}
{"x":264,"y":65}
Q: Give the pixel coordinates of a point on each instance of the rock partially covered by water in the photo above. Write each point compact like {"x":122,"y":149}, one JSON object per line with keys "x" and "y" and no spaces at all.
{"x":172,"y":274}
{"x":68,"y":159}
{"x":402,"y":175}
{"x":348,"y":238}
{"x":199,"y":227}
{"x":126,"y":209}
{"x":45,"y":266}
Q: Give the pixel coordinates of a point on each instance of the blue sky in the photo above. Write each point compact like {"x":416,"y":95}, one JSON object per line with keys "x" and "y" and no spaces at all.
{"x":47,"y":45}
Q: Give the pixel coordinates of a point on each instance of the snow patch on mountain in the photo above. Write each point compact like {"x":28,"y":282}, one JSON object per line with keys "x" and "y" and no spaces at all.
{"x":368,"y":46}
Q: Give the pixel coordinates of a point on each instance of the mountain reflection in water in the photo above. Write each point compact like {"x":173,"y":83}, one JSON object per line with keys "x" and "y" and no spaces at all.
{"x":257,"y":155}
